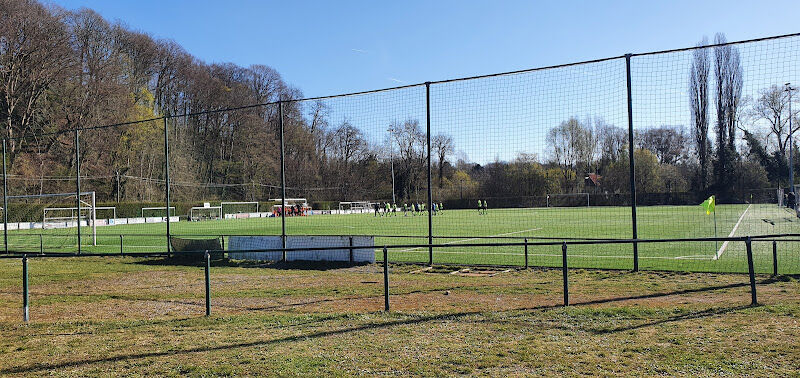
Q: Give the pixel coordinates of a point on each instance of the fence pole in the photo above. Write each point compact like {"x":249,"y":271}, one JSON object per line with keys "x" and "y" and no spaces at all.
{"x":385,"y":279}
{"x":351,"y":250}
{"x":283,"y":181}
{"x":166,"y":175}
{"x":526,"y":253}
{"x":5,"y":199}
{"x":430,"y":194}
{"x":25,"y":302}
{"x":41,"y":244}
{"x":208,"y":284}
{"x":774,"y":258}
{"x":564,"y":272}
{"x":632,"y":169}
{"x":748,"y":244}
{"x":78,"y":184}
{"x":121,"y":245}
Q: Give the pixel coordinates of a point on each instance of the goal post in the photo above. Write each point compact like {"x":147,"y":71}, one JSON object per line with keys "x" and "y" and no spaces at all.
{"x":86,"y":201}
{"x":198,"y":213}
{"x":237,"y":207}
{"x":567,"y":200}
{"x":158,"y":208}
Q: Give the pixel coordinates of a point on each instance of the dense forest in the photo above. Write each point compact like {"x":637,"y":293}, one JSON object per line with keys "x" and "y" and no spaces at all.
{"x":62,"y":70}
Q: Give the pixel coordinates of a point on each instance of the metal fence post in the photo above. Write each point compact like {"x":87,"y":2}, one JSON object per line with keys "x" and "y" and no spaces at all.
{"x":430,"y":194}
{"x":208,"y":284}
{"x":385,"y":279}
{"x":283,"y":181}
{"x":751,"y":271}
{"x":121,"y":245}
{"x":632,"y":169}
{"x":564,"y":272}
{"x":526,"y":253}
{"x":5,"y":199}
{"x":166,"y":175}
{"x":774,"y":258}
{"x":351,"y":250}
{"x":41,"y":243}
{"x":78,"y":184}
{"x":25,"y":303}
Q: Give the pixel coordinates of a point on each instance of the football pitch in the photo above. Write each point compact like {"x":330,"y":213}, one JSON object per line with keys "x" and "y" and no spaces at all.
{"x":458,"y":227}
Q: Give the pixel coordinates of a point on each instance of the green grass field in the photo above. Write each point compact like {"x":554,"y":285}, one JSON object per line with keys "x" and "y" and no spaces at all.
{"x":466,"y":226}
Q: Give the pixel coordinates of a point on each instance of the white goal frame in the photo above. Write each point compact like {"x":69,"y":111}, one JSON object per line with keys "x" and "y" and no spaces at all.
{"x":204,"y":207}
{"x":566,"y":195}
{"x":224,"y":203}
{"x":92,"y":219}
{"x":170,"y":212}
{"x":360,"y":205}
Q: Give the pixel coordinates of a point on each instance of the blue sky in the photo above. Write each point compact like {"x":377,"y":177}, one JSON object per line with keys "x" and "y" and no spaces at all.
{"x":326,"y":48}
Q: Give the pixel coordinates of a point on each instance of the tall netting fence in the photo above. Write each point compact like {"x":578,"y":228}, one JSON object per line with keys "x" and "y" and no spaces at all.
{"x":360,"y":163}
{"x":540,"y":155}
{"x":714,"y":122}
{"x":513,"y":157}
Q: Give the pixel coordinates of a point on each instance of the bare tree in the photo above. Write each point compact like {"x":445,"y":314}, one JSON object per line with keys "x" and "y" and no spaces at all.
{"x":772,"y":106}
{"x":668,"y":143}
{"x":571,"y":143}
{"x":443,"y":146}
{"x":698,"y":95}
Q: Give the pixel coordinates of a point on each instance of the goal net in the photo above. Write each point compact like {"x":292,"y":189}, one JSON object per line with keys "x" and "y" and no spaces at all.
{"x":61,"y":213}
{"x":205,"y":212}
{"x":234,"y":207}
{"x":568,"y":200}
{"x":355,"y":205}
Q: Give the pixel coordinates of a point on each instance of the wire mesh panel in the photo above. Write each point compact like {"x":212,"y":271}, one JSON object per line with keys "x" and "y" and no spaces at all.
{"x":42,"y":204}
{"x":123,"y":169}
{"x":712,"y":124}
{"x":359,"y":165}
{"x":525,"y":155}
{"x":225,"y":173}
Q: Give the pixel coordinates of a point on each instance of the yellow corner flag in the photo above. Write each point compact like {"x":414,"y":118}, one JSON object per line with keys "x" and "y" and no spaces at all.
{"x":709,"y":205}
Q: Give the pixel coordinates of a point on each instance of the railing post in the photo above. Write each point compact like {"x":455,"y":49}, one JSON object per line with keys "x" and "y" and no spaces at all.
{"x":430,"y":193}
{"x":351,"y":250}
{"x":25,"y":303}
{"x":5,"y":199}
{"x":166,"y":175}
{"x":564,"y":272}
{"x":774,"y":258}
{"x":78,"y":184}
{"x":385,"y":279}
{"x":751,"y":271}
{"x":121,"y":245}
{"x":632,"y":168}
{"x":526,"y":253}
{"x":208,"y":284}
{"x":41,"y":243}
{"x":283,"y":180}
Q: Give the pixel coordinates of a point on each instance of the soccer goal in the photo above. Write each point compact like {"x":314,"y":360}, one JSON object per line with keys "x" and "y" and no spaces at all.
{"x":58,"y":212}
{"x":355,"y":205}
{"x":205,"y":212}
{"x":158,"y":211}
{"x":568,"y":200}
{"x":234,"y":207}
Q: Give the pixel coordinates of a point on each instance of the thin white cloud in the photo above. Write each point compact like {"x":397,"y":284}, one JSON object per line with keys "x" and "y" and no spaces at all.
{"x":396,"y":80}
{"x":359,"y":51}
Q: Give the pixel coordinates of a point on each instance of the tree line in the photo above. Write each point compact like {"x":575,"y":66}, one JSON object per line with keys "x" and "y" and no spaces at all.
{"x":62,"y":70}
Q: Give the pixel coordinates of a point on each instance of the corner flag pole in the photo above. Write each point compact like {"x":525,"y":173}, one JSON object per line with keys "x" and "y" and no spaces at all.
{"x":716,"y":242}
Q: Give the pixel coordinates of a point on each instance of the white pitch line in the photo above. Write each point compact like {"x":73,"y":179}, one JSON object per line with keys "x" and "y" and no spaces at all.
{"x":471,"y":239}
{"x":725,"y":244}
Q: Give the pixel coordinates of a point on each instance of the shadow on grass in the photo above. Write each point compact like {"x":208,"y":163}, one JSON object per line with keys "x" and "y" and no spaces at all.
{"x":38,"y":367}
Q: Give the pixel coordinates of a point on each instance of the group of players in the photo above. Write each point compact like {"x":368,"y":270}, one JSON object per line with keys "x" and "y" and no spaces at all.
{"x":391,"y":209}
{"x":483,"y":207}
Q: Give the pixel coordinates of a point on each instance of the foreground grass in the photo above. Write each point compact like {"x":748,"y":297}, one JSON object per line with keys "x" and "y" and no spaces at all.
{"x":133,"y":316}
